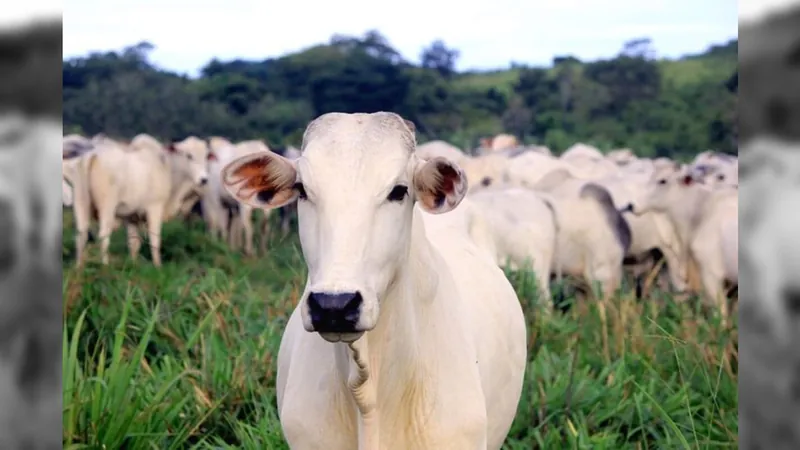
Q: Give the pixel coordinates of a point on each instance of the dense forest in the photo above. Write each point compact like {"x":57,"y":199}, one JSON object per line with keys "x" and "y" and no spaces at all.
{"x":652,"y":105}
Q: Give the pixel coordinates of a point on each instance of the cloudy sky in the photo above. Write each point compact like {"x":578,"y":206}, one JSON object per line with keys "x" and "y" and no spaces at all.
{"x":489,"y":34}
{"x":20,"y":12}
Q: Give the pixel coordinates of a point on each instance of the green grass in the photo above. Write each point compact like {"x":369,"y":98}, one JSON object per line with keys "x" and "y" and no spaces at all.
{"x":184,"y":357}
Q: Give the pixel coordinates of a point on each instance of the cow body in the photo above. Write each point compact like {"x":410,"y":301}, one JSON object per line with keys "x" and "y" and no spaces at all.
{"x":128,"y":185}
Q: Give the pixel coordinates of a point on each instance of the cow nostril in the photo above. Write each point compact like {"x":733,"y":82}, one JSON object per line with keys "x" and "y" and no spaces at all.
{"x":203,"y":181}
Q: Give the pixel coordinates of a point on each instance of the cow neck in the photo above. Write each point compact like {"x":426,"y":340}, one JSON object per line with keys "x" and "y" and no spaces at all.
{"x":387,"y":371}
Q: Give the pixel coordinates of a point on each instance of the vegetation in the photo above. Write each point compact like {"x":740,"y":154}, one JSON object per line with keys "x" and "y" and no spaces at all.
{"x":184,"y":357}
{"x":654,"y":106}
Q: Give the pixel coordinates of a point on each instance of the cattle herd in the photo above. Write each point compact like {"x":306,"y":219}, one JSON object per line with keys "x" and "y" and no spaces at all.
{"x":407,"y":242}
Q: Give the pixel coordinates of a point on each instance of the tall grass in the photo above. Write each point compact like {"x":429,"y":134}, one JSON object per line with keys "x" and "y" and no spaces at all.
{"x":184,"y":357}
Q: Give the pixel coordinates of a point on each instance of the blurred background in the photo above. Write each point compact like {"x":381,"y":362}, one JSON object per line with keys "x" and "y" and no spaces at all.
{"x":622,"y":86}
{"x":658,"y":77}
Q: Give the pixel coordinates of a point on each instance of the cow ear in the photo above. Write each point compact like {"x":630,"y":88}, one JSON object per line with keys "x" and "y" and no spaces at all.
{"x":263,"y":180}
{"x":439,"y":185}
{"x":410,"y":125}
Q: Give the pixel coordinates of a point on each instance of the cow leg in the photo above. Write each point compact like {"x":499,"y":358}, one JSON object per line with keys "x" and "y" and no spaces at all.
{"x":155,"y":215}
{"x":286,"y":218}
{"x":82,"y":214}
{"x":265,"y":233}
{"x":541,"y":269}
{"x":677,"y":269}
{"x":106,"y":221}
{"x":713,"y":285}
{"x":221,"y":218}
{"x":246,"y":217}
{"x":235,"y":232}
{"x":134,"y":240}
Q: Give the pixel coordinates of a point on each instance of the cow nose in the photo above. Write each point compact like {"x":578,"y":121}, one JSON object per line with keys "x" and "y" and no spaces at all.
{"x":334,"y":313}
{"x":203,"y":181}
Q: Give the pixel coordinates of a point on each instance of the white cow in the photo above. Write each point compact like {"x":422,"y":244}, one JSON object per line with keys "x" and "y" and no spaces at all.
{"x":219,"y":206}
{"x":522,"y":229}
{"x":28,"y":172}
{"x":406,"y":336}
{"x":706,"y":222}
{"x":130,"y":185}
{"x":593,"y":237}
{"x":648,"y":231}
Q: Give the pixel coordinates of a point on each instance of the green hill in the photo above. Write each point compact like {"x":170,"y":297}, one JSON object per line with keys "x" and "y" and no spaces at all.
{"x":657,"y":107}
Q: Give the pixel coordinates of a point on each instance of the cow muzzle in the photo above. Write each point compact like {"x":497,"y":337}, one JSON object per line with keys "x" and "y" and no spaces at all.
{"x":334,"y":315}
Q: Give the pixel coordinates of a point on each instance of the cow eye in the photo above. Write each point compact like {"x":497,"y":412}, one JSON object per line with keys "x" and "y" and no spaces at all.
{"x":662,"y":181}
{"x":189,"y":156}
{"x":301,"y":190}
{"x":398,"y":193}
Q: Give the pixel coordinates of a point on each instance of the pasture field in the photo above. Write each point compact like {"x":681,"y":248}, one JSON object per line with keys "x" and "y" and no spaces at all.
{"x":184,"y":357}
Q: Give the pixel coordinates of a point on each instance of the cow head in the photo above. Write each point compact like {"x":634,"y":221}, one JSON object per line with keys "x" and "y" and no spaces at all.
{"x":667,"y":186}
{"x":192,"y":158}
{"x":356,"y":183}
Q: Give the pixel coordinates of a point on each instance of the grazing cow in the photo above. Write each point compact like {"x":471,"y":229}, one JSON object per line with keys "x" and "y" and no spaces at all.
{"x":522,"y":229}
{"x":406,"y":336}
{"x":146,"y":182}
{"x":706,"y":221}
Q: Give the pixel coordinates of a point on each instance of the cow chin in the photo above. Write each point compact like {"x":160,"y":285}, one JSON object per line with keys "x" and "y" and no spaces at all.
{"x":347,"y":338}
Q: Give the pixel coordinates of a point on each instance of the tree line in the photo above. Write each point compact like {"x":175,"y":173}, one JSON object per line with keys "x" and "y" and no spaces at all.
{"x":655,"y":106}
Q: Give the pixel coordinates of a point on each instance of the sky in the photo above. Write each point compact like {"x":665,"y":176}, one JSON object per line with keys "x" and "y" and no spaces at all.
{"x":18,"y":13}
{"x":489,"y":34}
